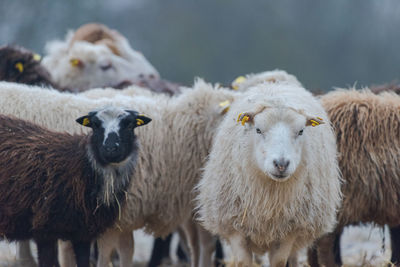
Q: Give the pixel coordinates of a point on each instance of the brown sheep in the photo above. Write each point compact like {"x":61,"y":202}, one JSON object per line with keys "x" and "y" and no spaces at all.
{"x":20,"y":65}
{"x":368,"y":140}
{"x":60,"y":186}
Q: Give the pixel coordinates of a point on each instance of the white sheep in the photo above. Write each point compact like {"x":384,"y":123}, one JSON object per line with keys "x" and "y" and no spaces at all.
{"x":169,"y":163}
{"x":95,"y":56}
{"x":272,"y":184}
{"x":241,"y":83}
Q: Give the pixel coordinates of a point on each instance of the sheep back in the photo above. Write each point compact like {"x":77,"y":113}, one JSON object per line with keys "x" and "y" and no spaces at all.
{"x":368,"y":140}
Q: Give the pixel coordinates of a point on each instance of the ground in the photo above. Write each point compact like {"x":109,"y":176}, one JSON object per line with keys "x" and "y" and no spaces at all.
{"x":361,"y":246}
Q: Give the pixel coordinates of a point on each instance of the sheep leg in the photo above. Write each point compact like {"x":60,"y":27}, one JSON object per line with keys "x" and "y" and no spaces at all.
{"x":190,"y":231}
{"x":219,"y":253}
{"x":241,"y":251}
{"x":160,"y":251}
{"x":126,"y":246}
{"x":293,"y":259}
{"x":106,"y":244}
{"x":207,"y":246}
{"x":395,"y":242}
{"x":82,"y":253}
{"x":336,"y":248}
{"x":312,"y":256}
{"x":280,"y":252}
{"x":66,"y":254}
{"x":24,"y":255}
{"x":325,"y":247}
{"x":47,"y":253}
{"x":182,"y":250}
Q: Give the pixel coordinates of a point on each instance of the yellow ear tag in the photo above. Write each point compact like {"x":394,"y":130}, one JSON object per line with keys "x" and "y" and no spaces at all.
{"x":238,"y":80}
{"x":20,"y":67}
{"x":75,"y":62}
{"x":314,"y":123}
{"x":139,"y":122}
{"x":37,"y":57}
{"x":238,"y":119}
{"x":85,"y":122}
{"x":245,"y":119}
{"x":225,"y":105}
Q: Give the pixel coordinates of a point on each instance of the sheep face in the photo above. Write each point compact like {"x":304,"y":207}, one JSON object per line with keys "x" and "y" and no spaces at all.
{"x":95,"y":65}
{"x":23,"y":66}
{"x":91,"y":66}
{"x":277,"y":140}
{"x":113,"y":139}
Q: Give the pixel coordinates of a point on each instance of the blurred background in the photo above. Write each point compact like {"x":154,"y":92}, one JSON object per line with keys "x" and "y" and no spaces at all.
{"x":324,"y":43}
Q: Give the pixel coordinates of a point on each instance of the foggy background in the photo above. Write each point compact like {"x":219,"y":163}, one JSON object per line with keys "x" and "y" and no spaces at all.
{"x":323,"y":43}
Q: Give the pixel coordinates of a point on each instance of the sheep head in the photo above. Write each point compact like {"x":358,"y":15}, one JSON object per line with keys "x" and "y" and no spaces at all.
{"x":274,"y":134}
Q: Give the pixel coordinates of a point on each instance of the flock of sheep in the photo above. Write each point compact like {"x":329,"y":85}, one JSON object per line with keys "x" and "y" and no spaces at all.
{"x":262,"y":164}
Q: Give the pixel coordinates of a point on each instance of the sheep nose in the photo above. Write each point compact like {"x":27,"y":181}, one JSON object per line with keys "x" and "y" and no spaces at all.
{"x":281,"y":164}
{"x":112,"y":143}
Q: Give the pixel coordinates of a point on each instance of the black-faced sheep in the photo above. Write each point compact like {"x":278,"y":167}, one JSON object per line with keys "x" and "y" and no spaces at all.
{"x":22,"y":66}
{"x":368,"y":130}
{"x":272,"y":184}
{"x":173,"y":149}
{"x":60,"y":186}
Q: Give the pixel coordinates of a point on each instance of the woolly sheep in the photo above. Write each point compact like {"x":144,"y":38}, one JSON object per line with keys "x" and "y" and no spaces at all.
{"x":22,"y":66}
{"x":368,"y":130}
{"x":60,"y":186}
{"x":169,"y":161}
{"x":242,"y":83}
{"x":272,"y":184}
{"x":95,"y":56}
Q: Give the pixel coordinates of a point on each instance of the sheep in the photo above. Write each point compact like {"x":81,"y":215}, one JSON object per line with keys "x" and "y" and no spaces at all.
{"x":169,"y":161}
{"x":273,"y":183}
{"x":242,"y":83}
{"x":95,"y":56}
{"x":22,"y":66}
{"x":368,"y":130}
{"x":60,"y":186}
{"x":386,"y":87}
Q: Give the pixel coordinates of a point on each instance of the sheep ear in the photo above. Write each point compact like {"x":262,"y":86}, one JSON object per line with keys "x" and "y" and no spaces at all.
{"x":249,"y":116}
{"x":224,"y":106}
{"x":142,"y":120}
{"x":76,"y":62}
{"x":314,"y":121}
{"x":85,"y":121}
{"x":19,"y":66}
{"x":245,"y":117}
{"x":37,"y":57}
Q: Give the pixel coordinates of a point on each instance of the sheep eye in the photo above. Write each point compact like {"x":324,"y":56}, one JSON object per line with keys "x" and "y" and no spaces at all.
{"x":258,"y":130}
{"x":301,"y":132}
{"x":106,"y":67}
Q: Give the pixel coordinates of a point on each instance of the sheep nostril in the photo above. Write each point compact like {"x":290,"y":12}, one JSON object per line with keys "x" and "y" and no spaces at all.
{"x":111,"y":148}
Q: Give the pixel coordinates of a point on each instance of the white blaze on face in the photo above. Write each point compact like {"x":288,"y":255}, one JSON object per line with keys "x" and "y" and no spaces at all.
{"x":110,"y":119}
{"x":279,"y":142}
